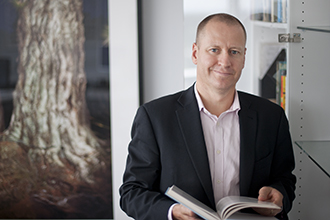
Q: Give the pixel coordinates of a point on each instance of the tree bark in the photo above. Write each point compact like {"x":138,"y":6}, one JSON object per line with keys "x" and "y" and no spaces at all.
{"x":50,"y":115}
{"x":2,"y":119}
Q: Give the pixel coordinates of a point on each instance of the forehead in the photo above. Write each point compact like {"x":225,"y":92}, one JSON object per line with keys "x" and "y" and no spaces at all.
{"x":221,"y":32}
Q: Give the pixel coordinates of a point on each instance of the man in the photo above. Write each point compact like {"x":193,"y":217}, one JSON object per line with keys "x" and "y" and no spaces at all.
{"x":210,"y":140}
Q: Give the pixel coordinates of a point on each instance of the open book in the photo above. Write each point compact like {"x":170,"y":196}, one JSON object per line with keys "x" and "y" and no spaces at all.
{"x":225,"y":207}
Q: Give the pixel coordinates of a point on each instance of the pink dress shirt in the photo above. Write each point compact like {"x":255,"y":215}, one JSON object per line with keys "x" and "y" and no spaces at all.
{"x":222,"y":139}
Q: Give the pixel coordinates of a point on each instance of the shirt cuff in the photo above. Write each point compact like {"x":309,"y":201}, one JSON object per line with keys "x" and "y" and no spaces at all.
{"x":169,"y":215}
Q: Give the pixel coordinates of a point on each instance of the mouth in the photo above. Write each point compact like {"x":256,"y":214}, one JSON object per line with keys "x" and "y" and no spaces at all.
{"x":222,"y":73}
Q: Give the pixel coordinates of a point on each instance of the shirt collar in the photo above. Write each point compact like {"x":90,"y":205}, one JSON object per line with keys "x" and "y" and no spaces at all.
{"x":235,"y":107}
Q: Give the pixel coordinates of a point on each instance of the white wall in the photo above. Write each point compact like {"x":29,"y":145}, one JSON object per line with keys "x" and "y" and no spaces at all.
{"x":162,"y":47}
{"x":124,"y":90}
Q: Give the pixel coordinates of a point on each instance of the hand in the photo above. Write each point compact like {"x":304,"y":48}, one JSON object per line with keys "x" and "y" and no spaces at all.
{"x":270,"y":194}
{"x":181,"y":212}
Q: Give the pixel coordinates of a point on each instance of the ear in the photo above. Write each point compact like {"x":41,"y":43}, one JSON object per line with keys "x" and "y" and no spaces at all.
{"x":194,"y":56}
{"x":244,"y":58}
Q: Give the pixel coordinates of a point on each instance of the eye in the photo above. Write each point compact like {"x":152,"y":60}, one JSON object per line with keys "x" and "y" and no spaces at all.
{"x":214,"y":50}
{"x":234,"y":52}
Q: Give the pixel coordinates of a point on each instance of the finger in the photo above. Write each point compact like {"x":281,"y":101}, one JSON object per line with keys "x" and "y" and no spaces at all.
{"x":181,"y":212}
{"x":267,"y":212}
{"x":264,"y":193}
{"x":272,"y":195}
{"x":187,"y":211}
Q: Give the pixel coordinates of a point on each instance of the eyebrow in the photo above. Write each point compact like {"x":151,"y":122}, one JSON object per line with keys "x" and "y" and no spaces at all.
{"x":231,"y":47}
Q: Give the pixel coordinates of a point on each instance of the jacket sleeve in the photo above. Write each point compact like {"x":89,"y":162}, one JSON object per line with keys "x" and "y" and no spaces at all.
{"x":272,"y":153}
{"x":141,"y":197}
{"x":283,"y":165}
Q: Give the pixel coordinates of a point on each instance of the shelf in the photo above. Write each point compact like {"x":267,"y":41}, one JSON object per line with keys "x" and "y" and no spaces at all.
{"x":316,"y":28}
{"x":273,"y":25}
{"x":318,"y":152}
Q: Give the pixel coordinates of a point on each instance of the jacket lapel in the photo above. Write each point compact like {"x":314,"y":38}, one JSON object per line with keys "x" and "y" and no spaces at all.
{"x":248,"y":132}
{"x":191,"y":128}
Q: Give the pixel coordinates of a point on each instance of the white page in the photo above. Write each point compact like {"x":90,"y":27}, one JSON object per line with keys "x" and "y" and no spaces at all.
{"x":249,"y":216}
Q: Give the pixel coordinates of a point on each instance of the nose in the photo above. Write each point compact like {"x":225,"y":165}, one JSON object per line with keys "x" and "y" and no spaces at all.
{"x":224,"y":59}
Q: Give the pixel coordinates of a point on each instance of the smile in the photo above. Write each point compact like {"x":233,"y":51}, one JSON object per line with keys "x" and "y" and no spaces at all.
{"x":219,"y":72}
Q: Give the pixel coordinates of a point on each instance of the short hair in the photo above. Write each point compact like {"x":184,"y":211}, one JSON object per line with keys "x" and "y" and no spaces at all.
{"x":222,"y":17}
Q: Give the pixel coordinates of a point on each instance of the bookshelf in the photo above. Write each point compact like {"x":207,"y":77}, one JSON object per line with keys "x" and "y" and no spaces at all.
{"x":271,"y":25}
{"x":307,"y":89}
{"x":316,"y":28}
{"x":268,"y":21}
{"x":318,"y":152}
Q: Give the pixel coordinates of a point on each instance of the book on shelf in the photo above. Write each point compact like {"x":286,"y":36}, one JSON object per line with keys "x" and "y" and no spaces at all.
{"x":282,"y":11}
{"x":266,"y":10}
{"x":226,"y":207}
{"x":273,"y":11}
{"x":281,"y":82}
{"x":280,"y":76}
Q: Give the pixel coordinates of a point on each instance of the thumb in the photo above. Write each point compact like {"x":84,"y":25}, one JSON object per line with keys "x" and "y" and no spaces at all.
{"x":264,"y":193}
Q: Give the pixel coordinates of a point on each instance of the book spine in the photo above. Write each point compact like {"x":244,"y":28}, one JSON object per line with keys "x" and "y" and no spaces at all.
{"x":272,"y":10}
{"x":266,"y":10}
{"x":278,"y":82}
{"x":284,"y":11}
{"x":279,"y":11}
{"x":283,"y":85}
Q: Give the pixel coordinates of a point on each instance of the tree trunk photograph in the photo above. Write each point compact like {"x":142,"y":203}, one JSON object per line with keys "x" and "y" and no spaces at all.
{"x":54,"y":163}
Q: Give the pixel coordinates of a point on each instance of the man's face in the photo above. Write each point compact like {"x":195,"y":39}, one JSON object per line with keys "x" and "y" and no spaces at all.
{"x":219,"y":55}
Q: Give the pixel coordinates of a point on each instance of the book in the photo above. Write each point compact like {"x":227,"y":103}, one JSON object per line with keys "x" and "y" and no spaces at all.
{"x":279,"y":11}
{"x":274,"y":11}
{"x":284,"y":11}
{"x":283,"y":87}
{"x":266,"y":10}
{"x":226,"y":207}
{"x":281,"y":83}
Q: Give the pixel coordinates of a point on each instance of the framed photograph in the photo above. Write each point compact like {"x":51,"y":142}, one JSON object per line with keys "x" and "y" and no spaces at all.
{"x":55,"y":153}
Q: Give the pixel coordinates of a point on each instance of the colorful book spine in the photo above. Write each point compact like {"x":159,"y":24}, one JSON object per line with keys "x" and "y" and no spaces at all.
{"x":283,"y":87}
{"x":281,"y":83}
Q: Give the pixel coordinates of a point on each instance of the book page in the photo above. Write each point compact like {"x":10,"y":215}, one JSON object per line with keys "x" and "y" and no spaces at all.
{"x":249,"y":216}
{"x":231,"y":204}
{"x":193,"y":204}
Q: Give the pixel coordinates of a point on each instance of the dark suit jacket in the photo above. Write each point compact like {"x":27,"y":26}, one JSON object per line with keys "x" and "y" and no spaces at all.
{"x":168,"y":147}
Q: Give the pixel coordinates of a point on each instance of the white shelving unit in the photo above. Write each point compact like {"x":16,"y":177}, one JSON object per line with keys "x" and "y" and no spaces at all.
{"x":307,"y":94}
{"x":265,"y":47}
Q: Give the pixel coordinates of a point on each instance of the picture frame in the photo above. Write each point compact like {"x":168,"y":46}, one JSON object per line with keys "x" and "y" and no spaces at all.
{"x":55,"y":143}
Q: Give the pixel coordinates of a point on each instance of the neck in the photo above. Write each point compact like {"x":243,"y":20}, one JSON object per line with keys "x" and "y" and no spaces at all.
{"x":216,"y":102}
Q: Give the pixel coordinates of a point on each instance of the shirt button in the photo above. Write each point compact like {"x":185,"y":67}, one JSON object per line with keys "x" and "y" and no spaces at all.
{"x":218,"y":152}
